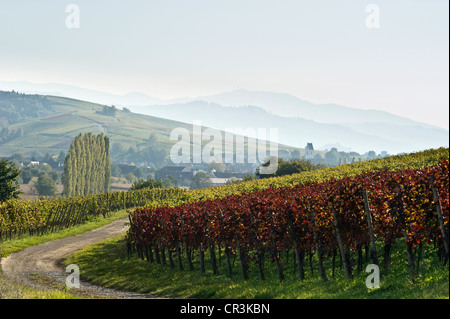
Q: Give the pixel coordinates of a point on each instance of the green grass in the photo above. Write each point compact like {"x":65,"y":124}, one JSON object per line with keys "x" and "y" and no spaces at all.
{"x":106,"y":263}
{"x":9,"y":289}
{"x":16,"y":244}
{"x":12,"y":290}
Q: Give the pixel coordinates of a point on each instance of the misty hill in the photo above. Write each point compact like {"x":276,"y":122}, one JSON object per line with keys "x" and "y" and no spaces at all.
{"x":48,"y":124}
{"x":390,"y":136}
{"x":298,"y":121}
{"x":70,"y":91}
{"x":288,"y":105}
{"x":281,"y":104}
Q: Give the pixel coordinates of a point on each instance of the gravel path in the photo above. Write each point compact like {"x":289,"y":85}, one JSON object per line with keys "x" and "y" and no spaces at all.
{"x":40,"y":266}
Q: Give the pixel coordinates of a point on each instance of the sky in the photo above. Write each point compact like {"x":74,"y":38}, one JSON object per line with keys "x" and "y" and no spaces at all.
{"x":318,"y":50}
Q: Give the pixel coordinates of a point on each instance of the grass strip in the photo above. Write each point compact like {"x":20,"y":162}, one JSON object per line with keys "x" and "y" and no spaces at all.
{"x":106,"y":263}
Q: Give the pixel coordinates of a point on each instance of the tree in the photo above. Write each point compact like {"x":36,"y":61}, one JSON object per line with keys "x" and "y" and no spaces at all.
{"x":217,"y":167}
{"x":170,"y":181}
{"x":139,"y":173}
{"x":36,"y":156}
{"x":153,"y":154}
{"x":290,"y":167}
{"x":371,"y":155}
{"x":149,"y":183}
{"x":50,"y":161}
{"x":249,"y":177}
{"x":384,"y":154}
{"x":332,"y":157}
{"x":115,"y":170}
{"x":8,"y":174}
{"x":108,"y":110}
{"x":152,"y":139}
{"x":87,"y":166}
{"x":18,"y":157}
{"x":54,"y":175}
{"x":201,"y":180}
{"x":295,"y":154}
{"x":26,"y":175}
{"x":45,"y":185}
{"x":60,"y":159}
{"x":130,"y":177}
{"x":261,"y":171}
{"x":293,"y":167}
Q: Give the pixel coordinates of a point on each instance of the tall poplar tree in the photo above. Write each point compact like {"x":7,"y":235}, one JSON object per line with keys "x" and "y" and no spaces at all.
{"x":8,"y":175}
{"x":87,"y":166}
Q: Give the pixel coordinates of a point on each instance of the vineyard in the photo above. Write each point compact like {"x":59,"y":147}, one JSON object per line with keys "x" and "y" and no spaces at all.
{"x":19,"y":217}
{"x":336,"y":217}
{"x":413,"y":160}
{"x":339,"y":214}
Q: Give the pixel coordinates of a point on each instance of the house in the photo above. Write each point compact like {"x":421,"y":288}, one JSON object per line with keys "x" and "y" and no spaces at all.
{"x":309,"y":151}
{"x":33,"y":163}
{"x":229,"y":175}
{"x":222,"y":181}
{"x":188,"y":172}
{"x":180,"y":173}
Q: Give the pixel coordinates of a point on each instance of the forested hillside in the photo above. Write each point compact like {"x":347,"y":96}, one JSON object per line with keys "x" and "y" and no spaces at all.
{"x":15,"y":107}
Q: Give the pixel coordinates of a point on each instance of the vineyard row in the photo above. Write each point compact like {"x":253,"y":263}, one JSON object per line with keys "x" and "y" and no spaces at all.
{"x":18,"y":217}
{"x":332,"y":218}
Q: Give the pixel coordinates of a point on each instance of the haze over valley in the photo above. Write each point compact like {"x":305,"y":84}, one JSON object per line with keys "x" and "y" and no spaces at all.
{"x":298,"y":121}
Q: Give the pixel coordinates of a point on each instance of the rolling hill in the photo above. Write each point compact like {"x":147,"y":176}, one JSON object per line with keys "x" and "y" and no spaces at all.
{"x":47,"y":124}
{"x":298,"y":121}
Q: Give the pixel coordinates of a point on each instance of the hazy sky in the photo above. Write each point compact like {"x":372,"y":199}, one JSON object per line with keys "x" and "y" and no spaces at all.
{"x":321,"y":51}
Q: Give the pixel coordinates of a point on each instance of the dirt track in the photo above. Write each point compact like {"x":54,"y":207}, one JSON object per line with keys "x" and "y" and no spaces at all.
{"x":40,"y":266}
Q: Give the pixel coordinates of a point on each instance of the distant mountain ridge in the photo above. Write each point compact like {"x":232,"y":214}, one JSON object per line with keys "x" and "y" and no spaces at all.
{"x":288,"y":105}
{"x":298,"y":121}
{"x":282,"y":104}
{"x":70,"y":91}
{"x":297,"y":132}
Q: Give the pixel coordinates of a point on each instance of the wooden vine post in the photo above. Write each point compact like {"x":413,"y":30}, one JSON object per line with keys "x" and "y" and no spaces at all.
{"x":344,"y":255}
{"x":440,"y":218}
{"x":259,"y":251}
{"x":373,"y":250}
{"x":409,"y":250}
{"x":212,"y":256}
{"x":316,"y":242}
{"x":299,"y":253}
{"x":227,"y":250}
{"x":243,"y":258}
{"x":187,"y":247}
